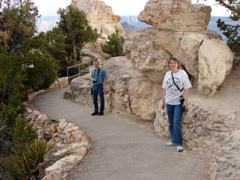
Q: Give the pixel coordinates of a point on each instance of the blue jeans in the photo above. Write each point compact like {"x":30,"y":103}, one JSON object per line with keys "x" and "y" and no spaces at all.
{"x":98,"y":90}
{"x":175,"y":116}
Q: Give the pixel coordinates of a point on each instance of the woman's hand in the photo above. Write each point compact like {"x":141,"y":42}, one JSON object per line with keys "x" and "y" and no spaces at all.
{"x":185,"y":104}
{"x":162,"y":106}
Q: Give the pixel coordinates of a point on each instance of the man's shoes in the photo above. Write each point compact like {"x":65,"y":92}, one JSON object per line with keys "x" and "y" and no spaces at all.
{"x":169,"y":143}
{"x":94,"y":113}
{"x":179,"y":148}
{"x":101,"y":113}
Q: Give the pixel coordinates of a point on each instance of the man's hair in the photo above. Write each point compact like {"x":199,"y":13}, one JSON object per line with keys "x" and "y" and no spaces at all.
{"x":95,"y":61}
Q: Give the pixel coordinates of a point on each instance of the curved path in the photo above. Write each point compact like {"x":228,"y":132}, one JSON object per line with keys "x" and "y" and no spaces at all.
{"x":122,"y":149}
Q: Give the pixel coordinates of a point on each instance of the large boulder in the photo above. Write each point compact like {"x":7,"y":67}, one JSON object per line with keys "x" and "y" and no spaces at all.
{"x":128,"y":89}
{"x":215,"y":60}
{"x":176,"y":15}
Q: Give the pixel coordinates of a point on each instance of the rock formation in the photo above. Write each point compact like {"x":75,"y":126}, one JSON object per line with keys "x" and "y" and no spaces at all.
{"x":100,"y":16}
{"x":201,"y":52}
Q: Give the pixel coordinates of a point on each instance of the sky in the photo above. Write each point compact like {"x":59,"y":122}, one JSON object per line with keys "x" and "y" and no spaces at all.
{"x":120,"y":7}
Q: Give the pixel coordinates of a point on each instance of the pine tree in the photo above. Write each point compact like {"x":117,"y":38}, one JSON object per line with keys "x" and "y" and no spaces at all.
{"x":59,"y":50}
{"x":39,"y":65}
{"x":74,"y":25}
{"x":17,"y":22}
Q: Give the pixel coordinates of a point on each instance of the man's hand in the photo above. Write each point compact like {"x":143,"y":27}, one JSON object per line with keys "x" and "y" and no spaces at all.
{"x":104,"y":90}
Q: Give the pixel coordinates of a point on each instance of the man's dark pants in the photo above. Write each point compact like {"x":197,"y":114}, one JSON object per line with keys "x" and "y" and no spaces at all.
{"x":98,"y":90}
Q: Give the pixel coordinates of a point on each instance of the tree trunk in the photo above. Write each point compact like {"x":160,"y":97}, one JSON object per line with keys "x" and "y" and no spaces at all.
{"x":74,"y":49}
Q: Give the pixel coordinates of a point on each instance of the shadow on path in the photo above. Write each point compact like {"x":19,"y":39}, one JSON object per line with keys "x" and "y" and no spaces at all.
{"x":121,"y":148}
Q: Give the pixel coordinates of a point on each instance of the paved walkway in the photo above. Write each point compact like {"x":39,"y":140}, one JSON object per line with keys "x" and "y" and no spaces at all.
{"x":121,"y":148}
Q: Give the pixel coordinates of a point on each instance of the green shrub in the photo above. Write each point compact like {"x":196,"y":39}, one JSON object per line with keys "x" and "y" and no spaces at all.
{"x":23,"y":131}
{"x":24,"y":164}
{"x":114,"y":46}
{"x":10,"y":111}
{"x":11,"y":76}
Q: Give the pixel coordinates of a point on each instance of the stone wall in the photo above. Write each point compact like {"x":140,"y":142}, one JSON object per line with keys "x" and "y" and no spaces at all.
{"x":70,"y":143}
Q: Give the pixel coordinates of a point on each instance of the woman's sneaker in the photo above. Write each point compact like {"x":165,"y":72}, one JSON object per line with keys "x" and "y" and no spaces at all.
{"x":169,"y":143}
{"x":179,"y":148}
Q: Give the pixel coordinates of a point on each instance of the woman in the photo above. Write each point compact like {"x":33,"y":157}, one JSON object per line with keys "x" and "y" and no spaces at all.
{"x":175,"y":84}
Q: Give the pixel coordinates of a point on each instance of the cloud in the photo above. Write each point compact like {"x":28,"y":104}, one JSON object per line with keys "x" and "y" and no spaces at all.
{"x":50,"y":7}
{"x":123,"y":7}
{"x":126,"y":7}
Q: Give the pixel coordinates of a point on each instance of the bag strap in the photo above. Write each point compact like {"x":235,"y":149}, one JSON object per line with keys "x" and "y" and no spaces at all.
{"x":176,"y":84}
{"x":97,"y":73}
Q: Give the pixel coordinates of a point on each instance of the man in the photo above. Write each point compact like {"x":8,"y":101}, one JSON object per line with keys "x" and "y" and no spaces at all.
{"x":99,"y":79}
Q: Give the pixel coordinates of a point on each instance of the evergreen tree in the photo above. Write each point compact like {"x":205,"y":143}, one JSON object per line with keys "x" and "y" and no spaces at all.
{"x":114,"y":46}
{"x":59,"y":50}
{"x":74,"y":25}
{"x":39,"y":66}
{"x":17,"y":22}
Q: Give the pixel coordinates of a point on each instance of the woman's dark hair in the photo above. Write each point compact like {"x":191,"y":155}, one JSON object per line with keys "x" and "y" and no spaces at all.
{"x":175,"y":59}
